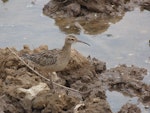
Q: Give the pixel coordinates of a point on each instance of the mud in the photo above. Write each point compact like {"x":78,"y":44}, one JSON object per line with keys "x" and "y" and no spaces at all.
{"x":93,"y":15}
{"x":84,"y":8}
{"x":129,"y":108}
{"x":127,"y":80}
{"x":23,"y":91}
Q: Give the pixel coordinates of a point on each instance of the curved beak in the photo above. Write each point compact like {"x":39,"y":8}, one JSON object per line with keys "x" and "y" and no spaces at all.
{"x":83,"y":42}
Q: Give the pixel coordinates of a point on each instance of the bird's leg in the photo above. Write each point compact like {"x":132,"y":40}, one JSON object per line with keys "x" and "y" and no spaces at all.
{"x":55,"y":77}
{"x":51,"y":81}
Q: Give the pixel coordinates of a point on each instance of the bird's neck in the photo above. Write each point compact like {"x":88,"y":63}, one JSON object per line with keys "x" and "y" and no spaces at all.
{"x":67,"y":47}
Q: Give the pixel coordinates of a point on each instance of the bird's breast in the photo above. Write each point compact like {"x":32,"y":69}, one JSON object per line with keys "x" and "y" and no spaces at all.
{"x":60,"y":64}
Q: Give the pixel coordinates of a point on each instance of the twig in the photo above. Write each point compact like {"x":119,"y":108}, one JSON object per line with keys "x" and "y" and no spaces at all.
{"x":67,"y":88}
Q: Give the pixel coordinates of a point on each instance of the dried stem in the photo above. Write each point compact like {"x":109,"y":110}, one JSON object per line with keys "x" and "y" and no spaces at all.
{"x":67,"y":88}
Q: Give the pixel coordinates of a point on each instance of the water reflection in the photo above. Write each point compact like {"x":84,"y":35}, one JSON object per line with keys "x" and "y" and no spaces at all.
{"x":5,"y":1}
{"x":91,"y":27}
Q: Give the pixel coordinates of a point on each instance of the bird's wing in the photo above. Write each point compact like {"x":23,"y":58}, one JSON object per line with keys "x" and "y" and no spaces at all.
{"x":44,"y":58}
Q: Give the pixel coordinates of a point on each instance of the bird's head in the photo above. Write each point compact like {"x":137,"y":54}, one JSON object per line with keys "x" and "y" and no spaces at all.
{"x":72,"y":39}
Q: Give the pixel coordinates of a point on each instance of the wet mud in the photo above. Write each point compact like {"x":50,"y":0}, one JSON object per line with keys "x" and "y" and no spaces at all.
{"x":129,"y":108}
{"x":94,"y":16}
{"x":23,"y":91}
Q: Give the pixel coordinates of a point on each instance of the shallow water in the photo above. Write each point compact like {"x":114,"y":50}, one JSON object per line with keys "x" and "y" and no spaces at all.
{"x":117,"y":100}
{"x":125,"y":41}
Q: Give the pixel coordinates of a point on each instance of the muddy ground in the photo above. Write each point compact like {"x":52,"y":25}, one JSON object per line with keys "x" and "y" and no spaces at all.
{"x":91,"y":9}
{"x":94,"y":16}
{"x":23,"y":91}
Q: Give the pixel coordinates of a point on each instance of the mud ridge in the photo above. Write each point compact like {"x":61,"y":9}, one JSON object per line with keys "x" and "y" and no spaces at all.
{"x":22,"y":91}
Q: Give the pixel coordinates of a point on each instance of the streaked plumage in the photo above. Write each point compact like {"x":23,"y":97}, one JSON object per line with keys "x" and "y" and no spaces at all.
{"x":44,"y":58}
{"x":56,"y":59}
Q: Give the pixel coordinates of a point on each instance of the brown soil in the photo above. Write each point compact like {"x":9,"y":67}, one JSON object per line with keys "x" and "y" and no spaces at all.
{"x":93,"y":15}
{"x":130,"y":108}
{"x":84,"y":8}
{"x":22,"y":91}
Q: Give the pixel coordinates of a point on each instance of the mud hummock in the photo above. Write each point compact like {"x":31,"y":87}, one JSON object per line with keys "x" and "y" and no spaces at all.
{"x":23,"y":91}
{"x":89,"y":8}
{"x":94,"y":16}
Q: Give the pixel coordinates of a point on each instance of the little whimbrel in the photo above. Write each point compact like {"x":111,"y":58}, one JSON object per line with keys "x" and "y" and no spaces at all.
{"x":56,"y":59}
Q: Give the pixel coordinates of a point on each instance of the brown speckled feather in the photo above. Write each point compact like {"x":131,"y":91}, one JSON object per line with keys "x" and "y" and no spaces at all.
{"x":56,"y":59}
{"x":44,"y":58}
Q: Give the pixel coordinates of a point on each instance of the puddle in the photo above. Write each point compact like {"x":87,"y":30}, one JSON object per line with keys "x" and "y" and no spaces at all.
{"x":126,"y":41}
{"x":117,"y":100}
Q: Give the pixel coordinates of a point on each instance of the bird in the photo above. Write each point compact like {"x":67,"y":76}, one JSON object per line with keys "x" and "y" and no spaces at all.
{"x":56,"y":59}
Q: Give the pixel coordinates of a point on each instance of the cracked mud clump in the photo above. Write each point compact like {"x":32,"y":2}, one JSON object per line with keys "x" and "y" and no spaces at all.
{"x":23,"y":91}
